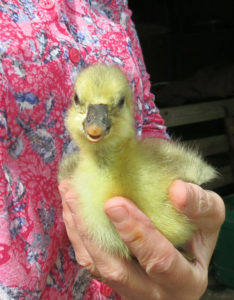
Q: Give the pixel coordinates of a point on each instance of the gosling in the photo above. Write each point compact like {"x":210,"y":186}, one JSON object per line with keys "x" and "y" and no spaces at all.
{"x":111,"y":161}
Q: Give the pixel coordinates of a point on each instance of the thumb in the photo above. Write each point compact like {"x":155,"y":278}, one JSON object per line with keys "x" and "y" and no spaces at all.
{"x":156,"y":255}
{"x":205,"y":208}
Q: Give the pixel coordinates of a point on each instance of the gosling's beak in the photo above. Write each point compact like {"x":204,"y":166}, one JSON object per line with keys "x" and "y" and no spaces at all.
{"x":97,"y":123}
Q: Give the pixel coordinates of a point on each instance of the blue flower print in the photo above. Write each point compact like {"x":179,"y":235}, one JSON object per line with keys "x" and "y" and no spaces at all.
{"x":81,"y":284}
{"x":16,"y":226}
{"x":43,"y":41}
{"x":16,"y":148}
{"x":42,"y":141}
{"x":19,"y":69}
{"x":46,"y":216}
{"x":54,"y":53}
{"x":28,"y":7}
{"x":5,"y":130}
{"x":26,"y":100}
{"x":11,"y":9}
{"x":103,"y":9}
{"x":16,"y":293}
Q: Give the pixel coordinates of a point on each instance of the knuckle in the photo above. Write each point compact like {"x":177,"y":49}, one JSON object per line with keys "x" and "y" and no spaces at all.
{"x":63,"y":187}
{"x":136,"y":237}
{"x":217,"y":206}
{"x":221,"y":211}
{"x":86,"y":263}
{"x":116,"y":277}
{"x":84,"y":235}
{"x":201,"y":202}
{"x":163,"y":264}
{"x":88,"y":266}
{"x":67,"y":218}
{"x":204,"y":203}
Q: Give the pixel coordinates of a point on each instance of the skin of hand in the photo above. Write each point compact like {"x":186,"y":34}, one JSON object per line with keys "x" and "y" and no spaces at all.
{"x":160,"y":271}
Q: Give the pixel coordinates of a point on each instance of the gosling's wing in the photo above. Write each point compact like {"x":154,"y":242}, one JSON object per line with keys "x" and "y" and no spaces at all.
{"x":186,"y":163}
{"x":67,"y":166}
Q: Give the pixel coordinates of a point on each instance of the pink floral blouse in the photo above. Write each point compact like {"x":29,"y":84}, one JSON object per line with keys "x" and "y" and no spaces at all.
{"x":43,"y":45}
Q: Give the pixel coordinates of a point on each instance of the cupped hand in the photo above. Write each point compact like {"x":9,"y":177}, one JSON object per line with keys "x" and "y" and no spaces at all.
{"x":160,"y":271}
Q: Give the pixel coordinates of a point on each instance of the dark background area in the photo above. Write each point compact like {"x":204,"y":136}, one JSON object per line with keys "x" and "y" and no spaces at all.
{"x":179,"y":37}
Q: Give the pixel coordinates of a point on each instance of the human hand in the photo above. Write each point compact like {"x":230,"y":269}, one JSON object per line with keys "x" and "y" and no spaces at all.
{"x":161,"y":271}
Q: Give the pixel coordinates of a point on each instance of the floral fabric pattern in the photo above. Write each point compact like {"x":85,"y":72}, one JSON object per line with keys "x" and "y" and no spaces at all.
{"x":43,"y":45}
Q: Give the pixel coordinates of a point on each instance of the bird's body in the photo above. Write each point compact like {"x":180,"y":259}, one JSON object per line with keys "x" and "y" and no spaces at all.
{"x":112,"y":162}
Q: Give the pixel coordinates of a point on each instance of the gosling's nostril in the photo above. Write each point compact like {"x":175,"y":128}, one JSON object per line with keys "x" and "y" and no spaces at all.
{"x":104,"y":120}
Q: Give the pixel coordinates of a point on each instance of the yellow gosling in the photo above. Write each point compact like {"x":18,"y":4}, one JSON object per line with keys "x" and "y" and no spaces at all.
{"x":111,"y":161}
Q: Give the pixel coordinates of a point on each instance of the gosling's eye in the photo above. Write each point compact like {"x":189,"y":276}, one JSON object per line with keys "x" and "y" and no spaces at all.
{"x":121,"y":102}
{"x":76,"y":99}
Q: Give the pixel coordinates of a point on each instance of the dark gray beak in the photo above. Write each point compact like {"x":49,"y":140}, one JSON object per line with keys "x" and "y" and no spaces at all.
{"x":97,"y":122}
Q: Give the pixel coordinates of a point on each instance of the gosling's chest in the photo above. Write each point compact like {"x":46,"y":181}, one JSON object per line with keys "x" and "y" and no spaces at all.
{"x":98,"y":182}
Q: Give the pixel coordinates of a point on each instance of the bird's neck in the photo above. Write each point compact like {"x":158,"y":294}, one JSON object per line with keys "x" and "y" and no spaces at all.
{"x":106,"y":154}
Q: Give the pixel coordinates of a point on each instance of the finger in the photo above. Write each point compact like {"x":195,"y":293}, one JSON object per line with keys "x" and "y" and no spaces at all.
{"x":100,"y":258}
{"x":124,"y":276}
{"x":82,"y":255}
{"x":64,"y":187}
{"x":205,"y":208}
{"x":161,"y":261}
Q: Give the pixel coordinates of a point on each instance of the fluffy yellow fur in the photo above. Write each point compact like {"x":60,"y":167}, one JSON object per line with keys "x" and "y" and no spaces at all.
{"x":121,"y":165}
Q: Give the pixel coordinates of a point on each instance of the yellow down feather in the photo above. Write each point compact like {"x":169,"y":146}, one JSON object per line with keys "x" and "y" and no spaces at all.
{"x":119,"y":164}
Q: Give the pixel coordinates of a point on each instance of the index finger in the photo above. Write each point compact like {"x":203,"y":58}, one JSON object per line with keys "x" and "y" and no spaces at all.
{"x":64,"y":187}
{"x":158,"y":257}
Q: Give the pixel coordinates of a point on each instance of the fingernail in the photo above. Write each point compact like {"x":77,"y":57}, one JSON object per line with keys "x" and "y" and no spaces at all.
{"x":117,"y":214}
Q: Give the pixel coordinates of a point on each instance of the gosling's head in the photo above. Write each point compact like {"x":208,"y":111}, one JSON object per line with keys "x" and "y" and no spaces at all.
{"x":101,"y":110}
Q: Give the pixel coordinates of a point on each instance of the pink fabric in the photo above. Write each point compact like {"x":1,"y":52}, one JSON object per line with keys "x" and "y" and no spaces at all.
{"x":43,"y":45}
